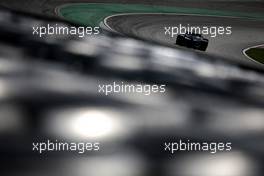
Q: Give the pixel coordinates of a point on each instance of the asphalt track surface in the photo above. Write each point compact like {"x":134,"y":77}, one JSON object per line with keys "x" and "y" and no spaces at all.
{"x":245,"y":32}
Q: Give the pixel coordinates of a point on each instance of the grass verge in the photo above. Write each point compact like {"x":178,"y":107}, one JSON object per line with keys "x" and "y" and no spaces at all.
{"x":257,"y":54}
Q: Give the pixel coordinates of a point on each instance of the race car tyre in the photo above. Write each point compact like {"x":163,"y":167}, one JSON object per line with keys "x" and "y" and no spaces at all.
{"x":179,"y":40}
{"x":203,"y":46}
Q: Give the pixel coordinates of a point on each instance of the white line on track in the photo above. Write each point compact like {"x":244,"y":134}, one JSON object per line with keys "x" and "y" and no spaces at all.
{"x":168,"y":13}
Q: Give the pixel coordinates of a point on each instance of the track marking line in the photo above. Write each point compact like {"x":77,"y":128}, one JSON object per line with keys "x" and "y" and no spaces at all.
{"x":161,"y":13}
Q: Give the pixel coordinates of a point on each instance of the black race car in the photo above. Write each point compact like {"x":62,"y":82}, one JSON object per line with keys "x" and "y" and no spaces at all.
{"x":192,"y":40}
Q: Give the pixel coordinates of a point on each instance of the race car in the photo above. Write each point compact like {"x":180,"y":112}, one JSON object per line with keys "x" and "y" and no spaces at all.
{"x":192,"y":40}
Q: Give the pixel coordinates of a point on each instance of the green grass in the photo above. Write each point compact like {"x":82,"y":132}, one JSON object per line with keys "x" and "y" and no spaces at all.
{"x":257,"y":54}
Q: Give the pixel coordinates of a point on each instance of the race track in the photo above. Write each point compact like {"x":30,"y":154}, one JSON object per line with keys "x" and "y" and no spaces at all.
{"x":245,"y":32}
